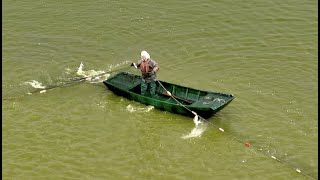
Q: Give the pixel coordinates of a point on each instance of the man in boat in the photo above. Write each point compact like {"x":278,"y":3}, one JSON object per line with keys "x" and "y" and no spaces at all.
{"x":148,"y":68}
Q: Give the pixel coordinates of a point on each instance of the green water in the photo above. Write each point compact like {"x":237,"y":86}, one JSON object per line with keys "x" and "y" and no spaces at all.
{"x":263,"y":52}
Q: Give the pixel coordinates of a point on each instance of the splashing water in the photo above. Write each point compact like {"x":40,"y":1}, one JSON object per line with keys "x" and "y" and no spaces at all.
{"x":36,"y":84}
{"x":92,"y":75}
{"x":118,"y":65}
{"x":196,"y":120}
{"x":198,"y":130}
{"x":131,"y":109}
{"x":97,"y":76}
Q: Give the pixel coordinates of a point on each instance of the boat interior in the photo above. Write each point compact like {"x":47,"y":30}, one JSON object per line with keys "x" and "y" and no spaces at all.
{"x":185,"y":96}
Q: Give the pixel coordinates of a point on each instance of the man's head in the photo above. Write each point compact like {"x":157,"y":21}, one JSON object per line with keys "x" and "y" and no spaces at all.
{"x":145,"y":56}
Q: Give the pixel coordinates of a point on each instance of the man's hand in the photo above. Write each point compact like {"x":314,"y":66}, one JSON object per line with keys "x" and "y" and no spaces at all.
{"x":155,"y":69}
{"x":134,"y":64}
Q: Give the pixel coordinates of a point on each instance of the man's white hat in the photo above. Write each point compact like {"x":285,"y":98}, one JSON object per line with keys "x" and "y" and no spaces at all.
{"x":145,"y":54}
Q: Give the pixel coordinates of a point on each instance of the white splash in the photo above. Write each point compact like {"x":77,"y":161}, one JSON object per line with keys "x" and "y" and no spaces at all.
{"x":92,"y":75}
{"x":35,"y":84}
{"x":131,"y":109}
{"x":196,"y":132}
{"x":79,"y":72}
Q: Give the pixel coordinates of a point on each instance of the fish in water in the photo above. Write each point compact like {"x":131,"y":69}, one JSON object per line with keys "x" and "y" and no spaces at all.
{"x":196,"y":120}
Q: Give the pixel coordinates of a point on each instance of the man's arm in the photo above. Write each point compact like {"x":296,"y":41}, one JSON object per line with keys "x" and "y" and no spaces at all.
{"x":136,"y":65}
{"x":155,"y":66}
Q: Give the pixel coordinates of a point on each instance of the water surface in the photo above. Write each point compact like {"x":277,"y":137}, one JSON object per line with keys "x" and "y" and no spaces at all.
{"x":262,"y":52}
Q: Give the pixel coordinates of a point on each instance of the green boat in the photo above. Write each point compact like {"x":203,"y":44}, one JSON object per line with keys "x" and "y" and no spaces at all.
{"x":180,"y":100}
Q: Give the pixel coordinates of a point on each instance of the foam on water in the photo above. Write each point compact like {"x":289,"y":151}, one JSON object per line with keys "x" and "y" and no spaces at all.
{"x":36,"y":84}
{"x":131,"y":108}
{"x":197,"y":131}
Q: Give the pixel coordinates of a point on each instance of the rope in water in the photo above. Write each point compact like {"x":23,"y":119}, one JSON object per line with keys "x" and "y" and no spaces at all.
{"x":239,"y":140}
{"x":67,"y":83}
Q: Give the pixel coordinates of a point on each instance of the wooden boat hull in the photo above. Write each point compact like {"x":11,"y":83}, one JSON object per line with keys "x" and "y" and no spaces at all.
{"x":204,"y":103}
